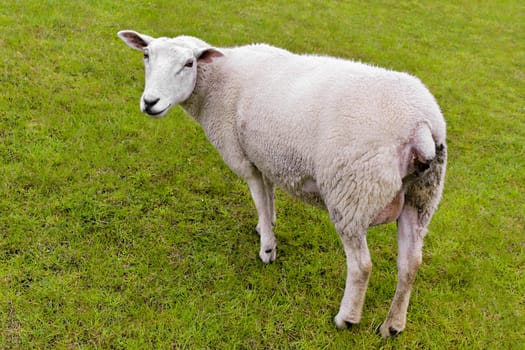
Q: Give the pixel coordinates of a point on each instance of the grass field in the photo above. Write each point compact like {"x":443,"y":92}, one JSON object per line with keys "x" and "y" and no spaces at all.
{"x":123,"y":232}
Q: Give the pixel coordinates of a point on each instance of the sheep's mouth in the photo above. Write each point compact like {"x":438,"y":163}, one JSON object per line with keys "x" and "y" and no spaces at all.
{"x":157,"y":114}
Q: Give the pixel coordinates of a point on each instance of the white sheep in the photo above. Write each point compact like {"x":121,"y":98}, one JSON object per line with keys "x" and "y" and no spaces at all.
{"x":366,"y":143}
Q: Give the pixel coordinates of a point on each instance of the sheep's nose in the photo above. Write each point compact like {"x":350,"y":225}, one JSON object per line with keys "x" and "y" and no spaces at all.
{"x":150,"y":103}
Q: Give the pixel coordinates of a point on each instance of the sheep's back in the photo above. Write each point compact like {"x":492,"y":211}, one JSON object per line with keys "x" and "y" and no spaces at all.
{"x":295,"y":110}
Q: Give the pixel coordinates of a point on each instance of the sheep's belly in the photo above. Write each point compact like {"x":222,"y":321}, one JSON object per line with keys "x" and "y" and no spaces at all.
{"x":285,"y":165}
{"x":295,"y":180}
{"x":308,"y":191}
{"x":392,"y":211}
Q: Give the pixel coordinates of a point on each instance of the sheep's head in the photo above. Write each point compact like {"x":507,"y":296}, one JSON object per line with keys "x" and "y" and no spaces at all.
{"x":171,"y":68}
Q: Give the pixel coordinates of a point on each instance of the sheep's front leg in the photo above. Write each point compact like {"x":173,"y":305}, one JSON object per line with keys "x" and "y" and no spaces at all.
{"x":359,"y":266}
{"x":262,"y":194}
{"x":270,"y":198}
{"x":410,"y":245}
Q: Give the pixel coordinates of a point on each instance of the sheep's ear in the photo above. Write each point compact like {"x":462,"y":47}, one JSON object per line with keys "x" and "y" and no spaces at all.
{"x":135,"y":40}
{"x":207,"y":55}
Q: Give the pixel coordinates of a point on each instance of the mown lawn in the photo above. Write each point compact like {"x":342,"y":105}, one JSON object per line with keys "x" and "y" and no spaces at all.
{"x":123,"y":232}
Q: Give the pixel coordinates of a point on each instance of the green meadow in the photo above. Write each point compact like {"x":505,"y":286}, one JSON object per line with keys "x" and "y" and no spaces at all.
{"x":118,"y":231}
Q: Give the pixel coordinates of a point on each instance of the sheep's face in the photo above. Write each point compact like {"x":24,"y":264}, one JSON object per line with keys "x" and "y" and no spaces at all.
{"x":171,"y":69}
{"x":171,"y":73}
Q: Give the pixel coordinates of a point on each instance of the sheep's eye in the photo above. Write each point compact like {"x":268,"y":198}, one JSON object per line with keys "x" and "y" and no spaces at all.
{"x":189,"y":64}
{"x":146,"y":54}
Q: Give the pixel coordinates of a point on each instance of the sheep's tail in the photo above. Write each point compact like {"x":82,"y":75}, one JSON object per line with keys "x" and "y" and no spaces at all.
{"x":423,"y":142}
{"x":425,"y":191}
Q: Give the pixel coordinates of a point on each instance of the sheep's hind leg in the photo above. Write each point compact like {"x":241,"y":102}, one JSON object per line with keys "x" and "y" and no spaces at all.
{"x":421,"y":200}
{"x":359,"y":267}
{"x":262,"y":194}
{"x":410,"y":245}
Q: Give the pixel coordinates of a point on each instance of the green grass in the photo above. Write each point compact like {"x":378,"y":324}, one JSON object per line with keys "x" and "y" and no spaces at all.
{"x":119,"y":231}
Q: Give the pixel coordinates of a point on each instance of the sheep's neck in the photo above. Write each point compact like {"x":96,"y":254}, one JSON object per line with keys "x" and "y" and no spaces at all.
{"x":195,"y":104}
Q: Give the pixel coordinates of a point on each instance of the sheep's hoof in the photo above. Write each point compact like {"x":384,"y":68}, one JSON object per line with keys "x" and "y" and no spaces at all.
{"x":389,"y":331}
{"x":349,"y":324}
{"x":341,"y":323}
{"x":268,"y":255}
{"x":393,"y":331}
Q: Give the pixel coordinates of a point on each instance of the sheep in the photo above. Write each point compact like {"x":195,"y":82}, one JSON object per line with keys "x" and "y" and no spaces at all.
{"x":366,"y":143}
